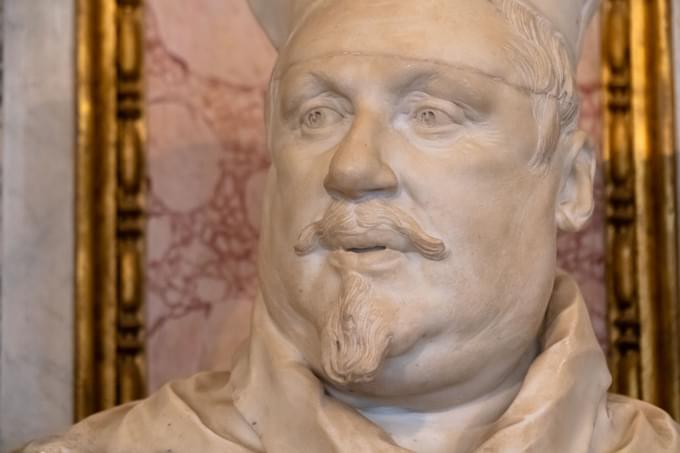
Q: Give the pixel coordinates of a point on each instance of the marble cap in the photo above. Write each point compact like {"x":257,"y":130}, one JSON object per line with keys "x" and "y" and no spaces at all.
{"x":569,"y":17}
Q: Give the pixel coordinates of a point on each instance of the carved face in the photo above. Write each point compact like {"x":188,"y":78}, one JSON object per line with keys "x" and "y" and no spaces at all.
{"x":406,"y":143}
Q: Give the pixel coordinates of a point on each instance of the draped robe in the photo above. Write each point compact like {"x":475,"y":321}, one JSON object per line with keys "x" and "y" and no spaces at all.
{"x":273,"y":403}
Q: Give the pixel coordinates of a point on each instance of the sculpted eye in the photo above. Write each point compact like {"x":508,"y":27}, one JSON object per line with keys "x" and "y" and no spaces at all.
{"x":320,"y":118}
{"x":435,"y":119}
{"x":432,"y":118}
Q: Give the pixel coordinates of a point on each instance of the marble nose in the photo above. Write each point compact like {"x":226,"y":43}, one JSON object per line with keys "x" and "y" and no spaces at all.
{"x":357,"y":169}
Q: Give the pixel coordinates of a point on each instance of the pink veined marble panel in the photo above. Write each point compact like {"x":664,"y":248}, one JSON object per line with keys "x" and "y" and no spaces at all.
{"x":207,"y":67}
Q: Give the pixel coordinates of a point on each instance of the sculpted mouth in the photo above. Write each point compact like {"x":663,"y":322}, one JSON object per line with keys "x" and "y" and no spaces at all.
{"x":376,"y":248}
{"x":366,"y":253}
{"x":374,"y":243}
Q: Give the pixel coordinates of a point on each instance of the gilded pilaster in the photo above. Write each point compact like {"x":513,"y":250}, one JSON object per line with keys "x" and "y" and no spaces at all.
{"x":641,"y":241}
{"x":111,"y":184}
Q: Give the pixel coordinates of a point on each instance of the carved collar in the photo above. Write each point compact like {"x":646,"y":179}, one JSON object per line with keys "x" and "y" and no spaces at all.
{"x":285,"y":404}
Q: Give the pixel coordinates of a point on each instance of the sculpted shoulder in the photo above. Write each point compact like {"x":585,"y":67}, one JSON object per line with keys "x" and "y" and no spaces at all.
{"x":184,"y":416}
{"x":631,"y":426}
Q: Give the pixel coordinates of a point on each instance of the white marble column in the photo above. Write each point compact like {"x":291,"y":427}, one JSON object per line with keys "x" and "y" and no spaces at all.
{"x":36,"y":307}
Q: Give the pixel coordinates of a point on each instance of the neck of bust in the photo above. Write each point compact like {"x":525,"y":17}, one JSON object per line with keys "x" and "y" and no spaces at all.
{"x":459,"y":426}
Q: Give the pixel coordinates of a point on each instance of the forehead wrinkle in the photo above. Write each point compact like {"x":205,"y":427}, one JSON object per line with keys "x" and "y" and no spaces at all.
{"x":280,"y":73}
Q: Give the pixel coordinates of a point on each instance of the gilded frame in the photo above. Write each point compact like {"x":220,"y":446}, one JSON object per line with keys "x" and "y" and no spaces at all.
{"x":641,"y":233}
{"x":640,"y":179}
{"x":110,"y":197}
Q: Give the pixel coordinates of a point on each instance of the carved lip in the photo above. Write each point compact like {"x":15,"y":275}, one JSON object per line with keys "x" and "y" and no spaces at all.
{"x":373,"y":249}
{"x":374,"y":260}
{"x":369,"y":251}
{"x":368,"y":243}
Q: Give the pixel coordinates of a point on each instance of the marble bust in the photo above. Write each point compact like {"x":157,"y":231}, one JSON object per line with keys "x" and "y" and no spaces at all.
{"x":424,"y":155}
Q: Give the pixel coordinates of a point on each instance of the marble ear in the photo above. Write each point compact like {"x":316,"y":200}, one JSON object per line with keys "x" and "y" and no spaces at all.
{"x":575,"y":201}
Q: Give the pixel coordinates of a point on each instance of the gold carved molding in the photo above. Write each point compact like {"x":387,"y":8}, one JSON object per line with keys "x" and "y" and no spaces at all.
{"x":640,"y":179}
{"x":110,"y":197}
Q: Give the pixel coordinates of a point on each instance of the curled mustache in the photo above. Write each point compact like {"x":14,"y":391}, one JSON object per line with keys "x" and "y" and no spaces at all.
{"x":344,"y":219}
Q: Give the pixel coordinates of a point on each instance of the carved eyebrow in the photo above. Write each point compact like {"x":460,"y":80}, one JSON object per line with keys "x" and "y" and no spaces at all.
{"x":435,"y":81}
{"x":308,"y":86}
{"x":316,"y":82}
{"x":429,"y":77}
{"x":416,"y":80}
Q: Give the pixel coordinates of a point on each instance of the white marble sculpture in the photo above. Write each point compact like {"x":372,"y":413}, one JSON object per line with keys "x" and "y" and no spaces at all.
{"x":424,"y":155}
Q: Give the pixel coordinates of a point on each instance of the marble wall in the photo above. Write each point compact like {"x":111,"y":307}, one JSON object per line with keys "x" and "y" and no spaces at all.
{"x":207,"y":69}
{"x":36,"y":307}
